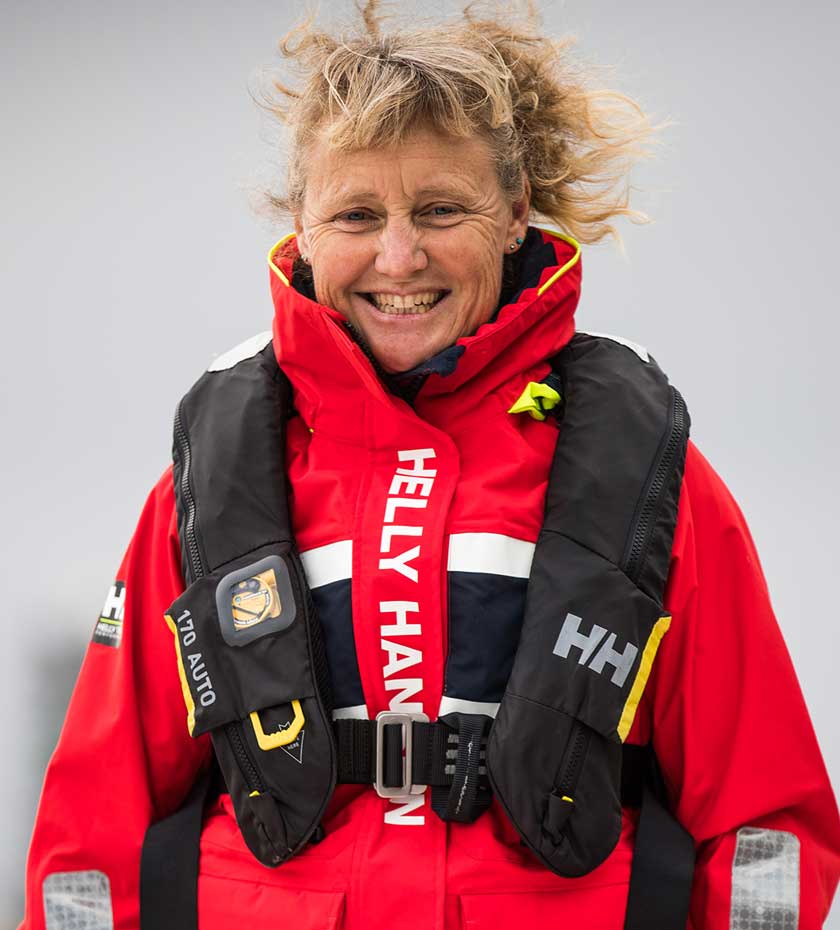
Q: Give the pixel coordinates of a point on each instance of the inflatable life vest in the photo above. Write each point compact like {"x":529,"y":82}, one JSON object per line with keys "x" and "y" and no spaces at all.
{"x":252,"y":661}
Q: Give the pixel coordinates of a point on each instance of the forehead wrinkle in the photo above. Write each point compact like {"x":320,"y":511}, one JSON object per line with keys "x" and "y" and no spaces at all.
{"x":398,"y":176}
{"x":457,"y":186}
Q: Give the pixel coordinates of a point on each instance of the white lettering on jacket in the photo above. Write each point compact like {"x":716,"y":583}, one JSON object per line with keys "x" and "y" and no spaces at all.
{"x":409,"y":491}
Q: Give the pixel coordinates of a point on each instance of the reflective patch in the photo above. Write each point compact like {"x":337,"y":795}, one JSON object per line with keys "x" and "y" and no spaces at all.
{"x":328,"y":564}
{"x":78,"y":901}
{"x":490,"y":554}
{"x":765,"y":880}
{"x":246,"y":349}
{"x":450,"y":705}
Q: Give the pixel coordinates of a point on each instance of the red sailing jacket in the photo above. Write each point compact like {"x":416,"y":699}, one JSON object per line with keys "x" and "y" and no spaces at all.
{"x":417,"y":525}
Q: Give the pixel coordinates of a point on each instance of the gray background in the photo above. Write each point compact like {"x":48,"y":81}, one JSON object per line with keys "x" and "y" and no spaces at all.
{"x":130,"y":256}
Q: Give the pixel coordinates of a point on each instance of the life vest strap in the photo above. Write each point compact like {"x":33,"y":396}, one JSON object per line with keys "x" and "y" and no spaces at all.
{"x":434,"y":756}
{"x":663,"y":857}
{"x":169,"y":865}
{"x":430,"y":765}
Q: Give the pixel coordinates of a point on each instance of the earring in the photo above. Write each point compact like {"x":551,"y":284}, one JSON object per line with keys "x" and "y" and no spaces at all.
{"x":305,"y":258}
{"x":519,"y":241}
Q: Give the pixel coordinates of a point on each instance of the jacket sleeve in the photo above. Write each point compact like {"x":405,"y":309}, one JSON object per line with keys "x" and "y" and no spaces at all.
{"x":732,"y":734}
{"x":124,"y":758}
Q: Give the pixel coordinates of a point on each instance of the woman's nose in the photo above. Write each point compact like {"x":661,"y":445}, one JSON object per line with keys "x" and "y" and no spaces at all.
{"x":400,"y":253}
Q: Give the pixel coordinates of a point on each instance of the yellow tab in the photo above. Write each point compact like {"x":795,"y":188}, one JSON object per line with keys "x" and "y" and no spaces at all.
{"x":659,"y":630}
{"x":254,"y":794}
{"x":185,"y":688}
{"x":268,"y":741}
{"x":536,"y":399}
{"x":567,"y":798}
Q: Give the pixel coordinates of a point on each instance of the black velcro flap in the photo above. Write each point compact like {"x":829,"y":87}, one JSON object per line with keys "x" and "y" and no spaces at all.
{"x":242,"y":639}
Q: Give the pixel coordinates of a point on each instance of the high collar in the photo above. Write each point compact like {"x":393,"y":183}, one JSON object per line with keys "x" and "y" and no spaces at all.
{"x":317,"y":352}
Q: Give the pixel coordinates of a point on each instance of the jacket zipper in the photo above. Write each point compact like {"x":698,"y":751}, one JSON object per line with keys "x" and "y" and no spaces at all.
{"x":571,"y":772}
{"x":234,"y":731}
{"x":236,"y":739}
{"x":183,"y":444}
{"x":646,"y":521}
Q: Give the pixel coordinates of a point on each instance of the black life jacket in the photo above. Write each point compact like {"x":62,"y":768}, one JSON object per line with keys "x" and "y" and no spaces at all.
{"x":250,"y":650}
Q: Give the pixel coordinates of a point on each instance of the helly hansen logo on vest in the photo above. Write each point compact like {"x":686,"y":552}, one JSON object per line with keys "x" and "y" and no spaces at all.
{"x":586,"y":644}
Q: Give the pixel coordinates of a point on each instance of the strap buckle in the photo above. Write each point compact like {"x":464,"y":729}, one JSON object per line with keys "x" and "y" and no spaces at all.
{"x":405,"y":721}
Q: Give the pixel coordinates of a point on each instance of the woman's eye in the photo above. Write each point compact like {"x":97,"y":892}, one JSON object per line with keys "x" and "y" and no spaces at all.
{"x":355,"y":216}
{"x":443,"y":210}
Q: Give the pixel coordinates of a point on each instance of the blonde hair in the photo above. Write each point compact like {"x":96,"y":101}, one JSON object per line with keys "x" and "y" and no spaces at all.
{"x":506,"y":82}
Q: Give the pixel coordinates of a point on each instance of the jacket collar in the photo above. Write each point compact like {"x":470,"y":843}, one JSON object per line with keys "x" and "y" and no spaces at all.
{"x":318,"y":353}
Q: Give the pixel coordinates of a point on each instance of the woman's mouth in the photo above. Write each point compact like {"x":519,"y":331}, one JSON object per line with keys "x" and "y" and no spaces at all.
{"x":405,"y":304}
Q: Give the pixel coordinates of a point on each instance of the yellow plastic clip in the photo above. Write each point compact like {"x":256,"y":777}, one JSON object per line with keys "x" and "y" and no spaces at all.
{"x":536,"y":399}
{"x":268,"y":741}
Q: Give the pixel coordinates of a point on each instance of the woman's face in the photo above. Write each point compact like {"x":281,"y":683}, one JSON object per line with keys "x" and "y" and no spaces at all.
{"x":407,"y":242}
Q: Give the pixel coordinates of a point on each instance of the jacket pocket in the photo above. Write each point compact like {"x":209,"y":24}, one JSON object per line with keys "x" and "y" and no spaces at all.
{"x":224,"y":903}
{"x":598,"y":907}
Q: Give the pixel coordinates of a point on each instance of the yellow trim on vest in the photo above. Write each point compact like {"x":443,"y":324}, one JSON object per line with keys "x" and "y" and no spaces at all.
{"x":271,"y":253}
{"x":535,"y":400}
{"x":560,"y":271}
{"x":268,"y":741}
{"x":628,"y":714}
{"x":185,"y":688}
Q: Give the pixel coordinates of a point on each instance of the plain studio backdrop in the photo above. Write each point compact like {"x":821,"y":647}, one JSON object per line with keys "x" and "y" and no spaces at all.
{"x":130,"y":257}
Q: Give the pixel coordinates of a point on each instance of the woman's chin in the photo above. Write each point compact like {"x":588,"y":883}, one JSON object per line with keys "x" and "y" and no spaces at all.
{"x":394,"y":362}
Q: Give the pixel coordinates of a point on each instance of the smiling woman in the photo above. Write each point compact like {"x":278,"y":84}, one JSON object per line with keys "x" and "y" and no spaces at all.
{"x":461,"y":630}
{"x":408,"y":242}
{"x":419,"y":157}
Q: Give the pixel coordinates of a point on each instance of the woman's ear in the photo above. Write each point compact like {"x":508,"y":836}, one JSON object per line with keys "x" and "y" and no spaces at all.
{"x":300,"y":235}
{"x":521,"y":211}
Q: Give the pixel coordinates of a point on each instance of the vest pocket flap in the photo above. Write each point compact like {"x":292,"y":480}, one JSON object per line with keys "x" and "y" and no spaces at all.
{"x":242,"y":644}
{"x":589,"y":638}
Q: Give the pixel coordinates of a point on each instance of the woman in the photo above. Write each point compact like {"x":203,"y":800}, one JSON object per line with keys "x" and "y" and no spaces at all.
{"x":425,"y":330}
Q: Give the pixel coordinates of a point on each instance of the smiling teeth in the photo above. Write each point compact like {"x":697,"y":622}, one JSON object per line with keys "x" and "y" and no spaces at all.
{"x":412,"y":303}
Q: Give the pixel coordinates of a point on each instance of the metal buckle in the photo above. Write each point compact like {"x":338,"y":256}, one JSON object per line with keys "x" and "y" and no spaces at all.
{"x":387,"y":718}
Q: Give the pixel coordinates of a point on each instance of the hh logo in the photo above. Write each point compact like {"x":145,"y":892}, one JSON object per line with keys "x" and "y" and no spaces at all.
{"x":571,"y":637}
{"x":109,"y":626}
{"x":255,"y":599}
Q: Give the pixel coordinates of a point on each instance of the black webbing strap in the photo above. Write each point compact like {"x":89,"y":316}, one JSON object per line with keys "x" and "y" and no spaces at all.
{"x":470,"y":795}
{"x":356,"y":742}
{"x":664,"y":853}
{"x":435,"y":757}
{"x":169,"y":866}
{"x":663,"y":858}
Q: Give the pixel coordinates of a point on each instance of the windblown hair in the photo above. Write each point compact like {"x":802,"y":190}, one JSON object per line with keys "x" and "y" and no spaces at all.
{"x":505,"y":82}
